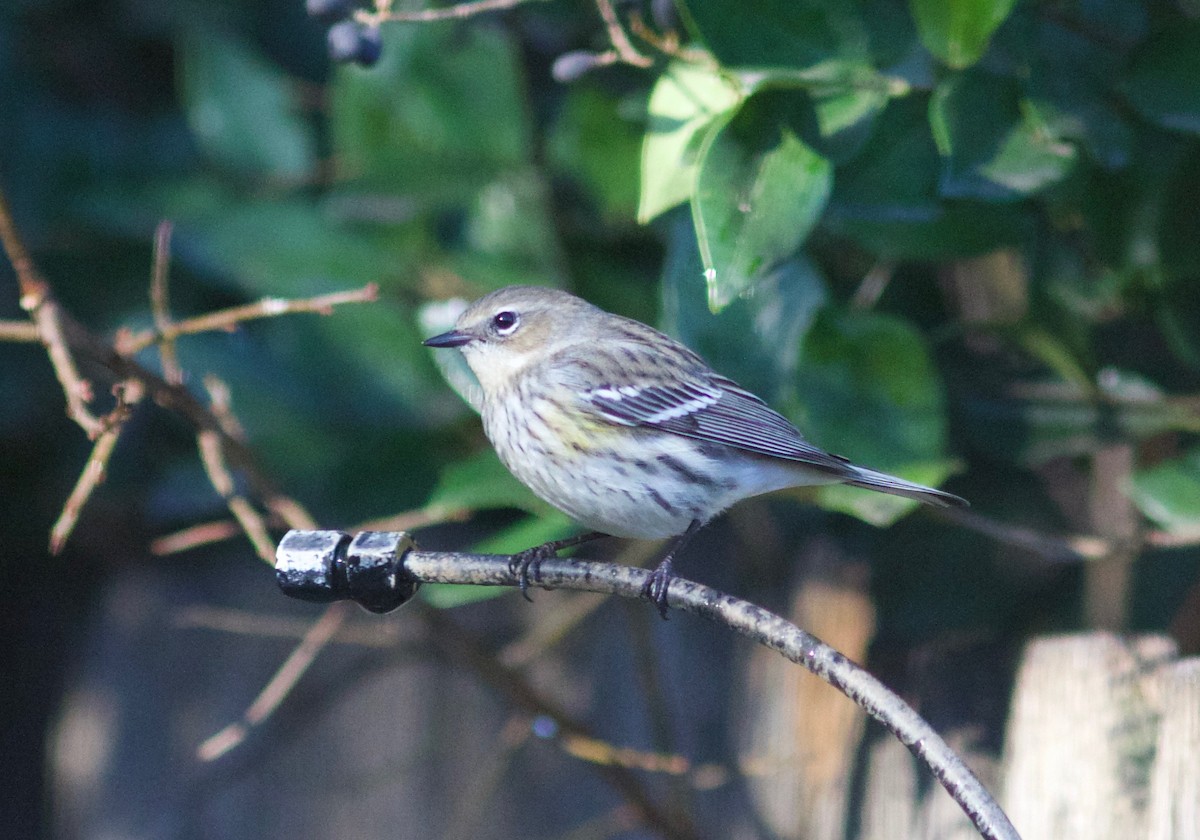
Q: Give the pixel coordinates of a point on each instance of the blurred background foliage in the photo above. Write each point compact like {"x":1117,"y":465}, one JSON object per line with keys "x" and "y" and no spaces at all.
{"x":955,"y":239}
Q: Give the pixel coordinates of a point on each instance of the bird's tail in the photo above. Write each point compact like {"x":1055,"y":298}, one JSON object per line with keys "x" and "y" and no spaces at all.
{"x":884,"y":483}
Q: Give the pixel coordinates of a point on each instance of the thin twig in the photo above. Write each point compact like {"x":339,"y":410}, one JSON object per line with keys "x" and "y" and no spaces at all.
{"x":212,"y":455}
{"x":130,"y":344}
{"x":19,"y":331}
{"x":33,"y":286}
{"x":128,"y":395}
{"x":48,"y":318}
{"x":456,"y":12}
{"x":667,"y":42}
{"x":196,"y":536}
{"x":315,"y":640}
{"x":616,"y":35}
{"x":160,"y":303}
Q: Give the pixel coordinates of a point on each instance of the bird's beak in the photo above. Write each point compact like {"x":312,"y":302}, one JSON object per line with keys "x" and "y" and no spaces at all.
{"x":454,"y":338}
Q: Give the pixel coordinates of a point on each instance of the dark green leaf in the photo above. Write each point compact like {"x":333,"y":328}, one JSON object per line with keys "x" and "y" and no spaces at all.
{"x":992,"y":144}
{"x":242,"y":109}
{"x":779,"y":33}
{"x":888,"y":201}
{"x":685,"y":102}
{"x":442,"y":113}
{"x":754,"y":206}
{"x":593,"y":142}
{"x":1163,"y":81}
{"x":867,"y":389}
{"x":1070,"y":91}
{"x":958,"y":31}
{"x":756,"y":339}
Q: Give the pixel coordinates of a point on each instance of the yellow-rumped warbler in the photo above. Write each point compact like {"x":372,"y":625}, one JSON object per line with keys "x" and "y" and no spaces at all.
{"x":627,"y":431}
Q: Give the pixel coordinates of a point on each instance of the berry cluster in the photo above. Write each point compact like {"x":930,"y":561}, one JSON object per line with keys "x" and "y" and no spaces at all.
{"x":348,"y":40}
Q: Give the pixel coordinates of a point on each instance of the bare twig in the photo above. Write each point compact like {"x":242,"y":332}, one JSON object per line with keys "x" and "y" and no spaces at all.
{"x":227,"y":319}
{"x":128,"y":395}
{"x":212,"y":455}
{"x":458,"y":11}
{"x":616,"y":34}
{"x":19,"y":331}
{"x":48,"y":319}
{"x":160,"y":303}
{"x":315,"y":640}
{"x":666,"y":43}
{"x":206,"y":533}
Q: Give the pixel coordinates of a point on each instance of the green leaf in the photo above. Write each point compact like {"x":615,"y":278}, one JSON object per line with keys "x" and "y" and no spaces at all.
{"x":753,"y":207}
{"x":1169,"y":494}
{"x":756,"y":339}
{"x":993,"y":146}
{"x":846,"y":118}
{"x":887,"y":200}
{"x":593,"y":142}
{"x":441,"y":115}
{"x":867,"y":389}
{"x":1076,"y":104}
{"x":685,"y":101}
{"x":1163,"y":81}
{"x":958,"y":31}
{"x":242,"y":109}
{"x":779,"y":33}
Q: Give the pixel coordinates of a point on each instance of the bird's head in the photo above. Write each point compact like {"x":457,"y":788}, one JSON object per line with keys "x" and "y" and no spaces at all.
{"x":504,"y":332}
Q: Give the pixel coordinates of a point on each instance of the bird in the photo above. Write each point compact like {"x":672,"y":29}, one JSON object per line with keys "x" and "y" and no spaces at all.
{"x":626,"y":430}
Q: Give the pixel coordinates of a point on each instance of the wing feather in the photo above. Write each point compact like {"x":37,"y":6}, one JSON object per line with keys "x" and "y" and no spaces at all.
{"x":716,"y":410}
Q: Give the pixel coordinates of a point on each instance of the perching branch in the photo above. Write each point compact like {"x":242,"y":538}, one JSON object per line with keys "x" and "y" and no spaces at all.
{"x":758,"y":624}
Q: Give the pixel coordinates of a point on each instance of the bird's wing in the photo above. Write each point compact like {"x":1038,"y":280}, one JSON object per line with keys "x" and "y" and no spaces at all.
{"x":713,"y":409}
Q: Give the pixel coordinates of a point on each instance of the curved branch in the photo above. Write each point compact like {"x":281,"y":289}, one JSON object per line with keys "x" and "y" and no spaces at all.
{"x":762,"y":626}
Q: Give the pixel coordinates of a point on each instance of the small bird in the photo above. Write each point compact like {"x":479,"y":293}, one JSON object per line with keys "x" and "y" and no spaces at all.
{"x":626,"y":430}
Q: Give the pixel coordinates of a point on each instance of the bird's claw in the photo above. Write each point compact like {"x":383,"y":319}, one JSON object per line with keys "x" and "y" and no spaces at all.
{"x":655,"y":588}
{"x":525,"y":566}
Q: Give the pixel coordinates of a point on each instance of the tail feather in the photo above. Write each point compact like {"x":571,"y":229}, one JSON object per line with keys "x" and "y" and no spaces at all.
{"x":884,"y":483}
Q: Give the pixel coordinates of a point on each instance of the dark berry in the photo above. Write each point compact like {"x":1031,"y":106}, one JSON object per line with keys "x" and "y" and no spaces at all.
{"x":370,"y":46}
{"x":351,"y":41}
{"x":570,"y":66}
{"x":329,"y":11}
{"x":343,"y":41}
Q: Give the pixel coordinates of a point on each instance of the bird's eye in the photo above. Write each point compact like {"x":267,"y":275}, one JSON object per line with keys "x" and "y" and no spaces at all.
{"x":505,"y":321}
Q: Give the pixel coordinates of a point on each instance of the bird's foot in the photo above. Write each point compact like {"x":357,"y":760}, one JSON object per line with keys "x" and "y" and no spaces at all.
{"x":655,"y":588}
{"x":525,"y":565}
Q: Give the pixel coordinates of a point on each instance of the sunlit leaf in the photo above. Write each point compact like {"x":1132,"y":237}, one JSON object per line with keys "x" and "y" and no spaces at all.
{"x":958,"y":31}
{"x":1169,"y":493}
{"x":992,"y":145}
{"x":756,"y":339}
{"x":753,"y":207}
{"x":685,"y":102}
